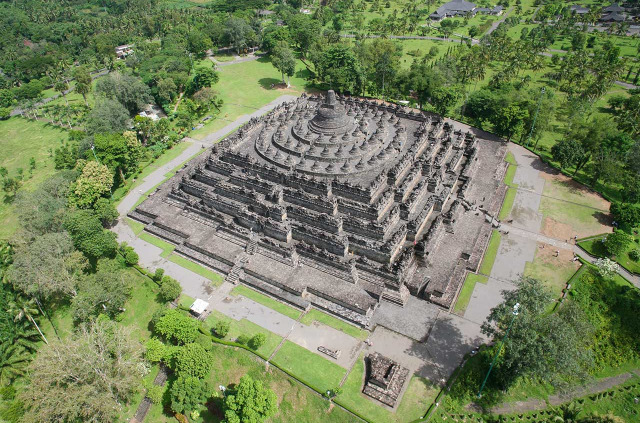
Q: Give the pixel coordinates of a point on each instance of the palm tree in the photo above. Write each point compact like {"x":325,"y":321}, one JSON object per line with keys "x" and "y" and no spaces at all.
{"x":13,"y":360}
{"x":22,"y":308}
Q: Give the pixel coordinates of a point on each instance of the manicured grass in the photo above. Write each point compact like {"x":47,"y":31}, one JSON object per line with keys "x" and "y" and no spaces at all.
{"x":341,"y":325}
{"x":296,"y":403}
{"x":185,"y":300}
{"x":141,"y":306}
{"x":490,"y":254}
{"x":595,"y":247}
{"x":135,"y":226}
{"x":467,"y":289}
{"x":266,"y":301}
{"x":245,"y":87}
{"x":508,"y":176}
{"x":215,"y":278}
{"x":20,"y":140}
{"x":414,"y":403}
{"x":507,"y":205}
{"x":166,"y":247}
{"x":310,"y":367}
{"x":510,"y":158}
{"x":246,"y":329}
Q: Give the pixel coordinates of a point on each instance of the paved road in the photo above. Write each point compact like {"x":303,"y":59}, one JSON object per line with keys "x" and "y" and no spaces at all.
{"x":239,"y":59}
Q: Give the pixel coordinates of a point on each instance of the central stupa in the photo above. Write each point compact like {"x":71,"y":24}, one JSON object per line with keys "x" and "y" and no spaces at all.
{"x":331,"y":140}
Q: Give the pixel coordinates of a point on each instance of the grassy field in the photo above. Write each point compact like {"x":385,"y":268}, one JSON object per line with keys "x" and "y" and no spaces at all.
{"x":310,"y":367}
{"x":490,"y":254}
{"x":415,"y":401}
{"x":571,"y":209}
{"x":295,"y":402}
{"x":245,"y":328}
{"x":246,"y":87}
{"x":266,"y":301}
{"x":595,"y":247}
{"x":20,"y":140}
{"x":553,"y":272}
{"x":467,"y":290}
{"x":315,"y":315}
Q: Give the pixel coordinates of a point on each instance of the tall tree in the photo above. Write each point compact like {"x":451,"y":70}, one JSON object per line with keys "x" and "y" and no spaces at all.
{"x":87,"y":377}
{"x":25,"y":309}
{"x":83,"y":82}
{"x":48,"y":267}
{"x":283,"y":60}
{"x":552,"y":347}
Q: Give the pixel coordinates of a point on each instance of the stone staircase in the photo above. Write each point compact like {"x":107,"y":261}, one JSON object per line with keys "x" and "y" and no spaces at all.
{"x":234,"y":275}
{"x":252,"y":246}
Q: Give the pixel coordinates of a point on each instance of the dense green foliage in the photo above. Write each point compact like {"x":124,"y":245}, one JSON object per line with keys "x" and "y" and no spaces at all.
{"x":612,"y":309}
{"x":177,"y":327}
{"x":249,"y":402}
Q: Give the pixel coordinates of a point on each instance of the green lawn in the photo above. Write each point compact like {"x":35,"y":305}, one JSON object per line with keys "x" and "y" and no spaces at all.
{"x":553,"y":272}
{"x":266,"y":301}
{"x":245,"y":328}
{"x":570,"y":203}
{"x":246,"y":87}
{"x":166,"y":247}
{"x":215,"y":278}
{"x":315,"y":315}
{"x":596,"y":248}
{"x":414,"y":403}
{"x":296,"y":403}
{"x":20,"y":140}
{"x":490,"y":254}
{"x":135,"y":226}
{"x":507,"y":205}
{"x":467,"y":289}
{"x":313,"y":369}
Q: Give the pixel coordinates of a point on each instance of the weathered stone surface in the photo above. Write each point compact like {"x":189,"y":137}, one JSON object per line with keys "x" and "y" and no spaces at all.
{"x":337,"y":202}
{"x":384,"y":379}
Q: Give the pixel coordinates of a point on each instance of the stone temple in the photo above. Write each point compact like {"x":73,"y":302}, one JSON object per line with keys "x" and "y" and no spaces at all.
{"x":339,"y":203}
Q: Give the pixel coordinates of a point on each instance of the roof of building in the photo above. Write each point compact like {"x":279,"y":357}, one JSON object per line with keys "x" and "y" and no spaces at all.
{"x":579,"y":9}
{"x":199,"y":306}
{"x":455,"y":6}
{"x":615,"y":7}
{"x":613,"y":16}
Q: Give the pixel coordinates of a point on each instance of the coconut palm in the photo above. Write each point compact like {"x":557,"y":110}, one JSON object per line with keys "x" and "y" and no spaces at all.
{"x":22,"y":308}
{"x":13,"y":361}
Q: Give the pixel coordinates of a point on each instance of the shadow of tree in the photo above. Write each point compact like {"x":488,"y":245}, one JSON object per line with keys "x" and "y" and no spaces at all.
{"x":269,"y":83}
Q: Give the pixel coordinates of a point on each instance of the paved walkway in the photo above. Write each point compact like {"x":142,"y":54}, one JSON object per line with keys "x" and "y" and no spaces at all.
{"x":236,"y":60}
{"x":520,"y":238}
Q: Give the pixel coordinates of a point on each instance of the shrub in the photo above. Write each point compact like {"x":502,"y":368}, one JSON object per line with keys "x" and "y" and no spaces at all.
{"x":157,"y":276}
{"x":130,"y":256}
{"x":155,"y":394}
{"x":156,"y":351}
{"x":181,"y":418}
{"x":221,"y":328}
{"x":170,"y":289}
{"x":243,"y":339}
{"x":634,"y":255}
{"x":257,"y":341}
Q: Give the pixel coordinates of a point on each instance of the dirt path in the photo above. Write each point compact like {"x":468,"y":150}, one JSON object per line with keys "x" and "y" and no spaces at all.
{"x":554,"y":400}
